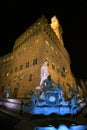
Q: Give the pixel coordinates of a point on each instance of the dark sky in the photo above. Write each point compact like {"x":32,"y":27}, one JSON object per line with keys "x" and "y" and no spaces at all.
{"x":18,"y":15}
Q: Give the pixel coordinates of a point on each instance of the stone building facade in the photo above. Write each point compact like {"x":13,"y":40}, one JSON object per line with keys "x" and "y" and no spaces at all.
{"x":21,"y":68}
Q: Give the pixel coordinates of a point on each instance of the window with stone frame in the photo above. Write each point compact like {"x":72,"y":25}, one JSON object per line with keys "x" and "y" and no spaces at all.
{"x":35,"y":61}
{"x":21,"y":67}
{"x":30,"y":77}
{"x":16,"y":69}
{"x":53,"y":66}
{"x":11,"y":71}
{"x":27,"y":64}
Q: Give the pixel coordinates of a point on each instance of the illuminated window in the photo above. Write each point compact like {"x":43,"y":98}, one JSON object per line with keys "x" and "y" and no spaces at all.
{"x":52,"y":48}
{"x":38,"y":23}
{"x":56,"y":52}
{"x":7,"y":74}
{"x":11,"y":57}
{"x":47,"y":42}
{"x":4,"y":60}
{"x":8,"y":59}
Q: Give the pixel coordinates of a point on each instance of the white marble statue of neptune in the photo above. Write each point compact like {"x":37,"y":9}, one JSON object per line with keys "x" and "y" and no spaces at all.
{"x":44,"y":72}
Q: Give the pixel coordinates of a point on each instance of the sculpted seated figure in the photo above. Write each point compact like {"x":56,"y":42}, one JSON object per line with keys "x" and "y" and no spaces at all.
{"x":48,"y":83}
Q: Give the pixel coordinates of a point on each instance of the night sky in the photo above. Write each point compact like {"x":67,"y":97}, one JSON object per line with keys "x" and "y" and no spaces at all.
{"x":18,"y":15}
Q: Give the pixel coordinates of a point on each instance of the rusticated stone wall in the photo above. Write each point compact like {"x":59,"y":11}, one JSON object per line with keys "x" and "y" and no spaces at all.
{"x":21,"y":67}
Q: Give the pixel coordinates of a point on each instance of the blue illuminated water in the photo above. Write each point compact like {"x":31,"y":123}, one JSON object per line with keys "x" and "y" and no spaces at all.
{"x":63,"y":127}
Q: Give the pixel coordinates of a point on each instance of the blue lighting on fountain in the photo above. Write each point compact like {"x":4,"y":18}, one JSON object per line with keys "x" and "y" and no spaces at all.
{"x":48,"y":99}
{"x":51,"y":101}
{"x":63,"y":127}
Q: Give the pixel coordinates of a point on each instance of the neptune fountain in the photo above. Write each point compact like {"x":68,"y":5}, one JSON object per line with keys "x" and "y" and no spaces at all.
{"x":48,"y":99}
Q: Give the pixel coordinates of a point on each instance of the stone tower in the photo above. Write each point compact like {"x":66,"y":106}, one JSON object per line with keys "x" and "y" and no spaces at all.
{"x":21,"y":67}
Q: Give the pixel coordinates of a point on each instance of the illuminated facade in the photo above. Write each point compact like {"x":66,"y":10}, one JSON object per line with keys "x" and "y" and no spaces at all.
{"x":21,"y":68}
